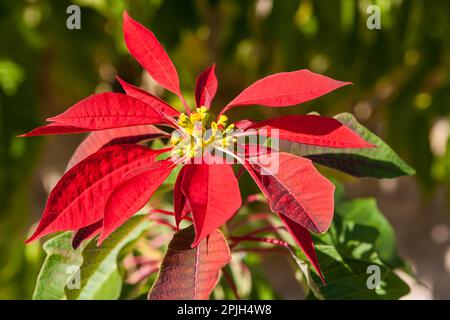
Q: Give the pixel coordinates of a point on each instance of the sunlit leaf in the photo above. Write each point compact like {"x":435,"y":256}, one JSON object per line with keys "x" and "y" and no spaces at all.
{"x":80,"y":196}
{"x":307,"y":201}
{"x":380,"y":162}
{"x":286,"y":89}
{"x":100,"y":278}
{"x":109,"y":110}
{"x":348,"y":278}
{"x":364,"y":212}
{"x":59,"y":265}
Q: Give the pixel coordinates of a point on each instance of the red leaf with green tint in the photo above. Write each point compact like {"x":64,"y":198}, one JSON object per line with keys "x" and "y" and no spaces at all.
{"x":304,"y":241}
{"x":87,"y":232}
{"x":312,"y":130}
{"x":286,"y":89}
{"x":188,"y":273}
{"x":380,"y":162}
{"x":213,"y":194}
{"x":206,"y":87}
{"x":99,"y":139}
{"x":148,"y":98}
{"x":80,"y":196}
{"x":109,"y":110}
{"x":132,"y":195}
{"x":295,"y":189}
{"x":147,"y":50}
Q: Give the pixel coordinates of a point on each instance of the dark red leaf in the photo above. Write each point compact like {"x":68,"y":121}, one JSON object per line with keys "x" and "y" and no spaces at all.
{"x":285,"y":89}
{"x":54,"y":128}
{"x":295,"y":189}
{"x":147,"y":50}
{"x":312,"y":130}
{"x":132,"y":195}
{"x":188,"y":273}
{"x":80,"y":196}
{"x":99,"y":139}
{"x":148,"y":98}
{"x":181,"y":206}
{"x":109,"y":110}
{"x":213,"y":193}
{"x":304,"y":241}
{"x":206,"y":87}
{"x":87,"y":232}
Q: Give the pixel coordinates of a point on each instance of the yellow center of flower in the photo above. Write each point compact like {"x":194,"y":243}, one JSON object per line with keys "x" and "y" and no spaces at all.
{"x":194,"y":136}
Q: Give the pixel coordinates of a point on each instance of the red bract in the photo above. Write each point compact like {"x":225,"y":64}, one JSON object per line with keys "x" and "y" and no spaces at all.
{"x":206,"y":87}
{"x":110,"y":178}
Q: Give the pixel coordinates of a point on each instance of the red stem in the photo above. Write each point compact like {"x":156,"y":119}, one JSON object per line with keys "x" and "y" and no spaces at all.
{"x":186,"y":107}
{"x":164,"y":222}
{"x":240,"y":172}
{"x":265,"y":229}
{"x":278,"y":242}
{"x":261,"y":250}
{"x":167,"y":213}
{"x":161,"y":211}
{"x":254,"y":217}
{"x":253,"y":198}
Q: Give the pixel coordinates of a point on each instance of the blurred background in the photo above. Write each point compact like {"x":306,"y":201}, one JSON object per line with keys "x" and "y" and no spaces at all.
{"x":401,"y":91}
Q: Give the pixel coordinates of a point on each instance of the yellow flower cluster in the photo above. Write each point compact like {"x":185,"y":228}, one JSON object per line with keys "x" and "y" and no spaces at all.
{"x":193,"y":137}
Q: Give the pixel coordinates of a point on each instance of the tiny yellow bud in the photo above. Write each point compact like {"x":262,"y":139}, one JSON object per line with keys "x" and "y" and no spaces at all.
{"x":174,"y":140}
{"x":180,"y":152}
{"x":224,"y":143}
{"x":223,"y":119}
{"x":230,"y":128}
{"x":195,"y":117}
{"x":182,"y":120}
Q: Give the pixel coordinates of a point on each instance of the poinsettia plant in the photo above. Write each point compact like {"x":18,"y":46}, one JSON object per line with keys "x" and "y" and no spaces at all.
{"x":112,"y":175}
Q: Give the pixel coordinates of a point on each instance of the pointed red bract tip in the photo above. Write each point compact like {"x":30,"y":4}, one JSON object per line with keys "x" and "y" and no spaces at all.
{"x":148,"y":98}
{"x":80,"y":196}
{"x":132,"y":195}
{"x":146,"y":49}
{"x":312,"y":130}
{"x":212,"y":191}
{"x":53,"y":128}
{"x":206,"y":87}
{"x":286,"y":89}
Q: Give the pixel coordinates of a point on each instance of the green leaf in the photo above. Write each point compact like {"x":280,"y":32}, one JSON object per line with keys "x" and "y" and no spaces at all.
{"x":380,"y":162}
{"x":355,"y":240}
{"x":359,"y":237}
{"x":61,"y":261}
{"x":364,"y":212}
{"x":348,"y":278}
{"x":100,"y":278}
{"x":11,"y":76}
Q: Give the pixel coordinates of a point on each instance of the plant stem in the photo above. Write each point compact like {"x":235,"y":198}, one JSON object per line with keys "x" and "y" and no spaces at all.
{"x":164,"y":223}
{"x":259,"y":239}
{"x":269,"y":228}
{"x":231,"y":283}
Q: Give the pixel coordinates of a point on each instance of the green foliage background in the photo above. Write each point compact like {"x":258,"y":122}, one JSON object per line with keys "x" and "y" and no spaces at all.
{"x":400,"y":74}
